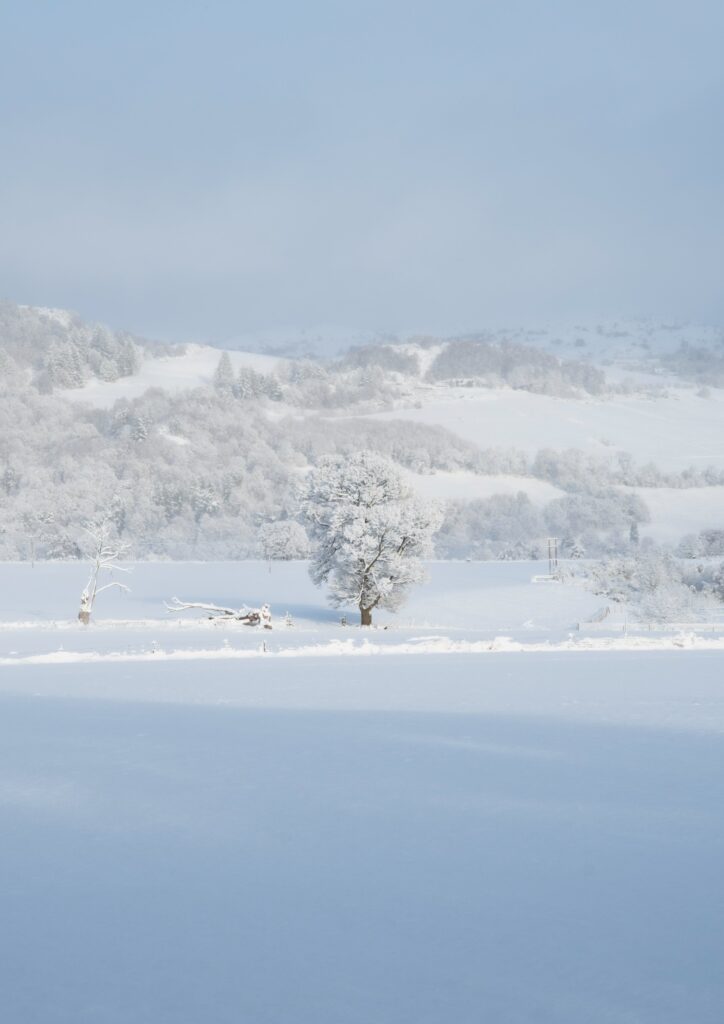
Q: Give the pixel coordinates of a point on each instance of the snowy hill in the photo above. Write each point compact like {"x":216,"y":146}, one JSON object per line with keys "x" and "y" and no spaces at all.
{"x":55,"y":348}
{"x":590,"y":433}
{"x":191,"y":366}
{"x":673,"y":430}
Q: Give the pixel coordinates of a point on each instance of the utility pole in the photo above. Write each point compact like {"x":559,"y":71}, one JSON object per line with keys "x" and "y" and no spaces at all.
{"x":552,"y":555}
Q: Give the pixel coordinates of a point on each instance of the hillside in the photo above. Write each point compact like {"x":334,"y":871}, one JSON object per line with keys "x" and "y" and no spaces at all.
{"x":594,"y":435}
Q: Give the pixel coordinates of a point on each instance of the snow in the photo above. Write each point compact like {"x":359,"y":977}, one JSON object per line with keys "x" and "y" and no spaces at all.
{"x":468,"y":486}
{"x":313,"y":841}
{"x":675,"y":432}
{"x":393,"y":825}
{"x":350,"y":648}
{"x":191,"y":368}
{"x":173,"y":438}
{"x":467,"y":599}
{"x":676,"y":512}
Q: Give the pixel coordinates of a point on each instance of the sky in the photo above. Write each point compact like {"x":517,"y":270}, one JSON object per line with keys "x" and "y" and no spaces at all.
{"x":205,"y":170}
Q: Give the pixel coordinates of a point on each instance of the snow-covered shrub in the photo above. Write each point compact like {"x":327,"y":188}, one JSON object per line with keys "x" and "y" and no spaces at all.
{"x":652,"y":583}
{"x":705,"y":544}
{"x":283,"y":540}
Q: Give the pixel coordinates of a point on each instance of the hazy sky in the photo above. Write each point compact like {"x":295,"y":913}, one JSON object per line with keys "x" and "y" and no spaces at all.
{"x":192,"y":170}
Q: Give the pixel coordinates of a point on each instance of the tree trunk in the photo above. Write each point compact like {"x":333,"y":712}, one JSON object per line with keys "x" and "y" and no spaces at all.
{"x":365,"y":616}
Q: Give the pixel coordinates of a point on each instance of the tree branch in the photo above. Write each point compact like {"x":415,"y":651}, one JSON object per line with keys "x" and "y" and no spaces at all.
{"x":249,"y":616}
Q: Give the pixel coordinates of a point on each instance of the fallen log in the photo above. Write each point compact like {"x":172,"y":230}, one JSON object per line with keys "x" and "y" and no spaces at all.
{"x":248,"y":616}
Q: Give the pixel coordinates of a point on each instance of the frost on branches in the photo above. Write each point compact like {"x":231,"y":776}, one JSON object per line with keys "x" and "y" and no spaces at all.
{"x":104,"y":552}
{"x":370,"y":530}
{"x":249,"y":616}
{"x":283,"y":541}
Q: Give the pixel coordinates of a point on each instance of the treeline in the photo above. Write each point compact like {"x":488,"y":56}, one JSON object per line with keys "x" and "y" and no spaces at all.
{"x":196,"y":475}
{"x":309,"y":385}
{"x":490,"y":364}
{"x":483,"y":362}
{"x":193,"y":475}
{"x":54,"y":349}
{"x":574,"y":470}
{"x":511,"y":526}
{"x":182,"y":477}
{"x":658,"y":587}
{"x":698,"y":363}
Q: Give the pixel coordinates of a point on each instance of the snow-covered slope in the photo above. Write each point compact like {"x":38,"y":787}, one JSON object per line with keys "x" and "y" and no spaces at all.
{"x":674,"y":431}
{"x":662,"y":416}
{"x":192,"y":367}
{"x":676,"y":512}
{"x":465,"y":486}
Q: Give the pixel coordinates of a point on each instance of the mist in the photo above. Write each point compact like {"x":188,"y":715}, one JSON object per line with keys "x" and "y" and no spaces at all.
{"x":211,"y":171}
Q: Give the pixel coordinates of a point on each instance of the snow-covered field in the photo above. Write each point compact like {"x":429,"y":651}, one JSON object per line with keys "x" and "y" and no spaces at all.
{"x":464,"y":602}
{"x":519,"y":837}
{"x":466,"y":486}
{"x":678,"y":511}
{"x":674,"y":432}
{"x":466,"y":606}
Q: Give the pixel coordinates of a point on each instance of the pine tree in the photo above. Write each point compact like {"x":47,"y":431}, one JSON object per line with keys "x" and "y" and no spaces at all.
{"x":224,"y":376}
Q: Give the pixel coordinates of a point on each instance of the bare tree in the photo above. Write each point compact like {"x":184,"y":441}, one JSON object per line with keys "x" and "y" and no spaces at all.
{"x":104,"y":555}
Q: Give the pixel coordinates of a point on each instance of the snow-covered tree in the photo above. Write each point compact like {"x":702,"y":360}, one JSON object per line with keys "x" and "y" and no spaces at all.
{"x":250,"y":384}
{"x":37,"y":524}
{"x":273,"y":389}
{"x":224,"y":379}
{"x":652,"y":583}
{"x":371,"y":532}
{"x":283,"y":540}
{"x":104,"y":554}
{"x":63,"y":366}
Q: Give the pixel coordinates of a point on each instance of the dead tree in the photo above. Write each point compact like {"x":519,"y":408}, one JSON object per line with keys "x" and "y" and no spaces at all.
{"x":104,"y":555}
{"x":247,"y":616}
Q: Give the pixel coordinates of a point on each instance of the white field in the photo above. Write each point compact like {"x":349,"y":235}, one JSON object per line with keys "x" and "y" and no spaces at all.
{"x":467,"y":486}
{"x":674,"y":432}
{"x":520,"y":836}
{"x":464,"y":601}
{"x":465,"y":606}
{"x":676,"y":512}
